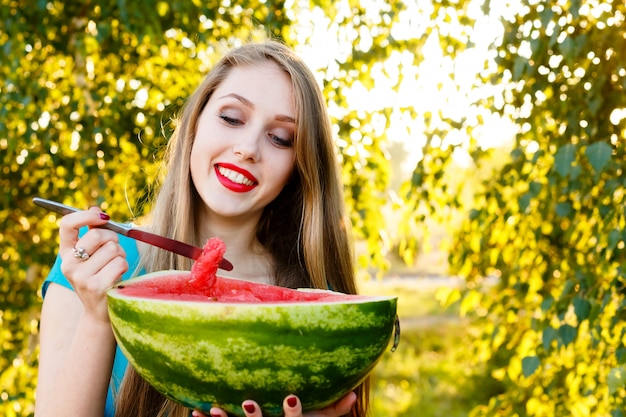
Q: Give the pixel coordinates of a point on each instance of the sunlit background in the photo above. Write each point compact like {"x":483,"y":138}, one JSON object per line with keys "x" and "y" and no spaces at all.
{"x":442,"y":86}
{"x":483,"y":151}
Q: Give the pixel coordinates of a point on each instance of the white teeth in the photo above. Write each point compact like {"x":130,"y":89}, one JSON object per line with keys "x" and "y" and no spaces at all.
{"x":235,"y":176}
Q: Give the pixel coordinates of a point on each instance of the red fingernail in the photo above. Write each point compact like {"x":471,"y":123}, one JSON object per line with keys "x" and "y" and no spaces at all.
{"x":104,"y":216}
{"x":292,"y":402}
{"x":250,"y":408}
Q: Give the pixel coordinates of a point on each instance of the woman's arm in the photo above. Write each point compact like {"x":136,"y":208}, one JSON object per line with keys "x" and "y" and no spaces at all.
{"x":77,"y":346}
{"x":75,"y":359}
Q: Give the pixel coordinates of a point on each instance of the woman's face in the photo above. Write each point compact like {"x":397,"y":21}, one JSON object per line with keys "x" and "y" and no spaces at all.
{"x":243,"y":153}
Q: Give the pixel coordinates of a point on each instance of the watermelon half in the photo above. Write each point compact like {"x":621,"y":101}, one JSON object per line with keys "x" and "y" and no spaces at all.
{"x":245,"y":340}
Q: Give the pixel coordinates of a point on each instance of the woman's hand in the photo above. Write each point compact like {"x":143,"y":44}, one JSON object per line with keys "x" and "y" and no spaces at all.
{"x":102,"y":264}
{"x":292,"y":408}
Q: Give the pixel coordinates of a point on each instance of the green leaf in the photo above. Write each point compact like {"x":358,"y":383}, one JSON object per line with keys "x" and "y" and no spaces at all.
{"x":616,"y":379}
{"x":567,"y":49}
{"x":620,"y":354}
{"x":517,"y":154}
{"x":417,"y":178}
{"x":567,"y":334}
{"x":567,"y":288}
{"x":524,"y":202}
{"x":564,"y":159}
{"x":535,"y":188}
{"x":563,"y":209}
{"x":599,"y":155}
{"x":518,"y":68}
{"x":548,"y":336}
{"x":530,"y":365}
{"x":582,"y":308}
{"x":595,"y":104}
{"x":547,"y":303}
{"x":575,"y":8}
{"x":546,"y":16}
{"x":575,"y":173}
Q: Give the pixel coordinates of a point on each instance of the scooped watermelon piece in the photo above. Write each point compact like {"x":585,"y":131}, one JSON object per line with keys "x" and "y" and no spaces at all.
{"x":204,"y":269}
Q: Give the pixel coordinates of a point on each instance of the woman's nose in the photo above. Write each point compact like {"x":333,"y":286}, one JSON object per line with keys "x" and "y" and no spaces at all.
{"x":247,"y":146}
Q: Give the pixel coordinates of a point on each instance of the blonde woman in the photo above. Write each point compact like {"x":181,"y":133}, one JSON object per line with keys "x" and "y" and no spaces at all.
{"x":253,"y":162}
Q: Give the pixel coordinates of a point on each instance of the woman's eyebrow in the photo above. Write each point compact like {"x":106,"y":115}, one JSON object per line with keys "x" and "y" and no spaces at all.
{"x":242,"y":99}
{"x":249,"y":104}
{"x":283,"y":118}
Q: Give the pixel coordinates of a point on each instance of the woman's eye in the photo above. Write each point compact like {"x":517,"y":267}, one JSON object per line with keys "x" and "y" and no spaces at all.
{"x":283,"y":143}
{"x":230,"y":120}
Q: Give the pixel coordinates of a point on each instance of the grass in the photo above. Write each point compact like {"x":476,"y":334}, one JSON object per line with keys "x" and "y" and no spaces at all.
{"x":432,"y":372}
{"x":415,"y":300}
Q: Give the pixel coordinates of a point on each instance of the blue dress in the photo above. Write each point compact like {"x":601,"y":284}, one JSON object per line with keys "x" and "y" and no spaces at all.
{"x":120,"y":363}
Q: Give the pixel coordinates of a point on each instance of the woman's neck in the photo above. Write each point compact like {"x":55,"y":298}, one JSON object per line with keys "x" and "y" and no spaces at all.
{"x":251,"y":260}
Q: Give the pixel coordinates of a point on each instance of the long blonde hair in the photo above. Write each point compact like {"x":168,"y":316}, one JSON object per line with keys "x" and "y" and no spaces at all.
{"x":304,"y":229}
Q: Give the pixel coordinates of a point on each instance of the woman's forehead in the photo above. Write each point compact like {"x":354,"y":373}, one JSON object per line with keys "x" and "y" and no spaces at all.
{"x":259,"y":86}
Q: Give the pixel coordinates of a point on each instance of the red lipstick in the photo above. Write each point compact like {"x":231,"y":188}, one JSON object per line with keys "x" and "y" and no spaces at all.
{"x":235,"y":178}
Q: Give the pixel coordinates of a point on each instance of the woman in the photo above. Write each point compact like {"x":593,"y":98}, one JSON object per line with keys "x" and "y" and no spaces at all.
{"x":251,"y":161}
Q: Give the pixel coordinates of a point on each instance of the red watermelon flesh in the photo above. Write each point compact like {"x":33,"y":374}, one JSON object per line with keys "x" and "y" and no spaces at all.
{"x":204,"y":270}
{"x":203,"y":284}
{"x":174,"y":285}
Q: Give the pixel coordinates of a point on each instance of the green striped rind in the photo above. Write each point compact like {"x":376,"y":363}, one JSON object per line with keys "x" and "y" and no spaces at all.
{"x":201,"y":354}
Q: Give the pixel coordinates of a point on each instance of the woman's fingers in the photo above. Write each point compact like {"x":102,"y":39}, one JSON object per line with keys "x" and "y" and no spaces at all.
{"x":251,"y":409}
{"x":214,"y":412}
{"x":292,"y":406}
{"x":91,"y":252}
{"x":103,"y":263}
{"x":92,"y":262}
{"x":71,"y":224}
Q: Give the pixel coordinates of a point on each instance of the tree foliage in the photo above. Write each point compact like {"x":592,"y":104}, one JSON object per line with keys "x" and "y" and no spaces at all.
{"x":550,"y":224}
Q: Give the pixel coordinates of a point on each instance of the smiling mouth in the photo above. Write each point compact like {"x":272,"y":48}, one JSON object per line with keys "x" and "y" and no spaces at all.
{"x":234,"y":176}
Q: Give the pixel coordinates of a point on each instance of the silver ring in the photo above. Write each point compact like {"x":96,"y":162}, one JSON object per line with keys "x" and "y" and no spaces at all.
{"x":80,"y":253}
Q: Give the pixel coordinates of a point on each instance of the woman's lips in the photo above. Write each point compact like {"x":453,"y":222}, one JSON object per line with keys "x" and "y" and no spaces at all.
{"x":234,"y":178}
